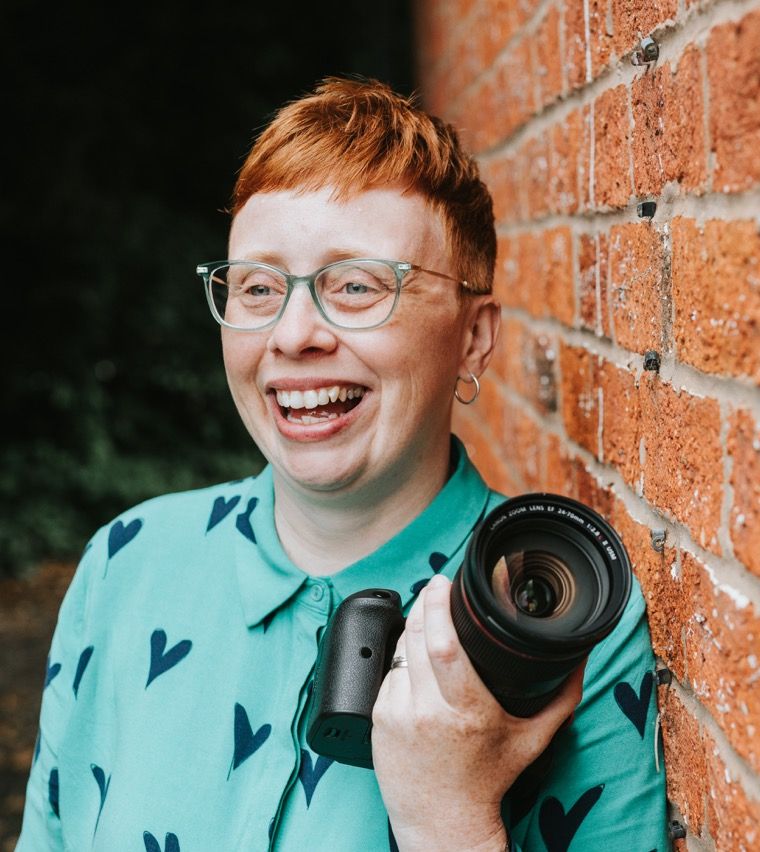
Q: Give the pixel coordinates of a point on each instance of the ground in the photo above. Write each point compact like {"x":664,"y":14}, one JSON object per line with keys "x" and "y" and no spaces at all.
{"x":28,"y":609}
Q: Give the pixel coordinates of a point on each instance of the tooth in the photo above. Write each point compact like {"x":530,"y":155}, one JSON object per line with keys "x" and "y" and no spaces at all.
{"x":296,"y":399}
{"x":350,"y":393}
{"x":342,"y":394}
{"x":333,"y":392}
{"x":324,"y":396}
{"x":358,"y":393}
{"x":283,"y":398}
{"x":310,"y":398}
{"x":332,"y":416}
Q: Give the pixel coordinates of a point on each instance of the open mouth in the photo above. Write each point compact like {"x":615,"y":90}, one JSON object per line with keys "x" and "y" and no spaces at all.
{"x":318,"y":405}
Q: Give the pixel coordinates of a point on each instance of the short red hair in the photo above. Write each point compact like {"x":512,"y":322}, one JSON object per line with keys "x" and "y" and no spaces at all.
{"x":360,"y":134}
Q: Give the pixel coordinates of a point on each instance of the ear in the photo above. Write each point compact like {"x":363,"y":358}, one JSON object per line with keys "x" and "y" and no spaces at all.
{"x":483,"y":321}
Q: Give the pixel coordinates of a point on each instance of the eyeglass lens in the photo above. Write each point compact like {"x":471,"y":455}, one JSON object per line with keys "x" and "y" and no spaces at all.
{"x":351,"y":294}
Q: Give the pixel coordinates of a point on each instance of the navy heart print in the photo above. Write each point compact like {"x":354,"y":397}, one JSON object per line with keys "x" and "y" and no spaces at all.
{"x":309,"y":773}
{"x":220,"y":510}
{"x":557,"y":827}
{"x":84,"y":659}
{"x":437,"y":561}
{"x":120,"y":535}
{"x":636,"y":708}
{"x":243,"y":521}
{"x":171,"y":844}
{"x":53,"y":792}
{"x":161,"y":662}
{"x":246,"y":742}
{"x":417,"y":587}
{"x":103,"y":784}
{"x":51,"y":672}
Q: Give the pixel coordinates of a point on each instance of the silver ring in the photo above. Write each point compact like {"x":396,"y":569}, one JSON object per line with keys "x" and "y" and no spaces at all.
{"x":399,"y":663}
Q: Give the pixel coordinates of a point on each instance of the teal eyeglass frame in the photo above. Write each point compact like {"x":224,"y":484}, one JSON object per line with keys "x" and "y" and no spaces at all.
{"x":400,"y":268}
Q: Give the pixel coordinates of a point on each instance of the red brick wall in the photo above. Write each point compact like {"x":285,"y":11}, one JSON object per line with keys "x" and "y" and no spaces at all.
{"x":571,"y":136}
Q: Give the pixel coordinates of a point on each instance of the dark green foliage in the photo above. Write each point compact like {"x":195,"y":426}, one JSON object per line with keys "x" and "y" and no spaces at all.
{"x":124,"y":138}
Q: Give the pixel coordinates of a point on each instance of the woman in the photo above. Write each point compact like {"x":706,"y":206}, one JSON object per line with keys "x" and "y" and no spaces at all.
{"x":174,"y":711}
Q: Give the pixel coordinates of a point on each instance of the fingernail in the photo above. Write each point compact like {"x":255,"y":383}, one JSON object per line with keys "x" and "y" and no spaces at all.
{"x":437,"y":581}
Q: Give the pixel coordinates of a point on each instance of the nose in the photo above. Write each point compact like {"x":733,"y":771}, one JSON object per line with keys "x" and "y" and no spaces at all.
{"x":301,"y":328}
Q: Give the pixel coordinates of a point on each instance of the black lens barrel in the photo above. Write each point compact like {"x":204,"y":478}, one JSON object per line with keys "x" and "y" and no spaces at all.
{"x":524,"y":659}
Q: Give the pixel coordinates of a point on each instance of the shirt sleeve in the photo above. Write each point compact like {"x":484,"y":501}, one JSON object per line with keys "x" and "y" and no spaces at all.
{"x":41,"y":828}
{"x":604,"y":789}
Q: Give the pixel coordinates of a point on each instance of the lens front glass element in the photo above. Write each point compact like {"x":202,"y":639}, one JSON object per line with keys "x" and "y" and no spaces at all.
{"x":536,"y":583}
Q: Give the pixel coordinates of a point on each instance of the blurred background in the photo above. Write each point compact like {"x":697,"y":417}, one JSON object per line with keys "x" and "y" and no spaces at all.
{"x":123,"y":132}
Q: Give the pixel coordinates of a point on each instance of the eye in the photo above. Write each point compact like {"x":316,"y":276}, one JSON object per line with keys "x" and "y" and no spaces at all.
{"x":356,"y":288}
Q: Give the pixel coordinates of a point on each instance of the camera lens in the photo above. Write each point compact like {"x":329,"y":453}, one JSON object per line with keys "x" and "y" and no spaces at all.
{"x":544,"y":579}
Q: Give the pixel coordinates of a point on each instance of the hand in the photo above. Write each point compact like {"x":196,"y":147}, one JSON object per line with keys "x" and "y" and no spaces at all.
{"x":444,"y":750}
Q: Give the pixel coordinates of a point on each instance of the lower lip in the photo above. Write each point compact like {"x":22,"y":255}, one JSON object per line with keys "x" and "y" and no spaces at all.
{"x":310,"y":432}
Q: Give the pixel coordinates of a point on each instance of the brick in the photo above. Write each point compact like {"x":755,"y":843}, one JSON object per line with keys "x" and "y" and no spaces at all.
{"x":632,"y":20}
{"x":733,"y":61}
{"x":566,"y":140}
{"x":548,"y":67}
{"x":744,"y":524}
{"x":484,"y":455}
{"x":585,"y":171}
{"x":501,"y":176}
{"x":522,"y":446}
{"x":491,"y":405}
{"x":735,"y":816}
{"x":668,"y":139}
{"x":558,"y":274}
{"x":621,"y":421}
{"x":612,"y":179}
{"x":668,"y":609}
{"x":506,"y":271}
{"x":593,"y":274}
{"x":683,"y":465}
{"x":580,"y":399}
{"x":636,"y":282}
{"x":514,"y":102}
{"x":686,"y":775}
{"x":716,"y":296}
{"x":535,"y":154}
{"x":557,"y":474}
{"x":526,"y":362}
{"x":600,"y":37}
{"x":722,"y":655}
{"x":575,"y":44}
{"x":530,"y":277}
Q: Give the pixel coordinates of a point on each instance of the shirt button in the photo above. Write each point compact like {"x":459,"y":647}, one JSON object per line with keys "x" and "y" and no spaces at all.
{"x":317,"y":593}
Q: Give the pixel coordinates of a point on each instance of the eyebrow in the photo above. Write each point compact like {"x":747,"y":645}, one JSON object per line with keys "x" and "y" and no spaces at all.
{"x":332,"y":256}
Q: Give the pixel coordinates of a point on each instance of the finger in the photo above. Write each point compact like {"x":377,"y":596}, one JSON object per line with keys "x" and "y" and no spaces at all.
{"x":423,"y":685}
{"x":563,"y":705}
{"x":455,"y":676}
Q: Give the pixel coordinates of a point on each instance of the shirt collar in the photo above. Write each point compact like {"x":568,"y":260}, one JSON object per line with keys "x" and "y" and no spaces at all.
{"x":268,"y":578}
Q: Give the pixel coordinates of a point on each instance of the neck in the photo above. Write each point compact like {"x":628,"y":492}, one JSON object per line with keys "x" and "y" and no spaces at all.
{"x":324,"y":532}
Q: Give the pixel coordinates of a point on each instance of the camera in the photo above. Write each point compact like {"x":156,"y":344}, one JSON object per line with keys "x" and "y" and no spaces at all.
{"x":543,"y":580}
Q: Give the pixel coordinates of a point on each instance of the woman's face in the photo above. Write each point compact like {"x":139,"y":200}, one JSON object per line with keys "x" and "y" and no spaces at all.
{"x":402,"y":373}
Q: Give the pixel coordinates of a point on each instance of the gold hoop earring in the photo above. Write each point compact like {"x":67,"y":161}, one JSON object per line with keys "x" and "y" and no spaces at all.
{"x":473,"y":380}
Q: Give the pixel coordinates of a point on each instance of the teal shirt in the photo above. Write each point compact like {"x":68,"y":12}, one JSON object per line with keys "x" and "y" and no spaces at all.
{"x":173,"y":714}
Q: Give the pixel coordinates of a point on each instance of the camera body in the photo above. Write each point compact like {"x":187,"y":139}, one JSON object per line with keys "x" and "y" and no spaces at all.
{"x":543,"y":580}
{"x":354,"y":655}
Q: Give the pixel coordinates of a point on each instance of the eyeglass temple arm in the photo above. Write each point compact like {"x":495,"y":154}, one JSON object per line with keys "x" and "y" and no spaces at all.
{"x":439,"y":274}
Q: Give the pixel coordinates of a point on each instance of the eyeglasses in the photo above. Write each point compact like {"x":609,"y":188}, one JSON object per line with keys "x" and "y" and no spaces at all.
{"x":353,"y":294}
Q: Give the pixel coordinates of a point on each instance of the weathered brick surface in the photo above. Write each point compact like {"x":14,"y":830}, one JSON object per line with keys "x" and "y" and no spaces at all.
{"x":621,"y":421}
{"x":632,"y":20}
{"x":578,"y":271}
{"x":668,"y":609}
{"x":722,"y":655}
{"x":668,"y":140}
{"x":548,"y":69}
{"x":744,"y":452}
{"x":612,"y":177}
{"x":683,"y":466}
{"x":733,"y":54}
{"x":716,"y":296}
{"x":734,"y":815}
{"x":636,"y":286}
{"x":685,"y":758}
{"x":580,"y":397}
